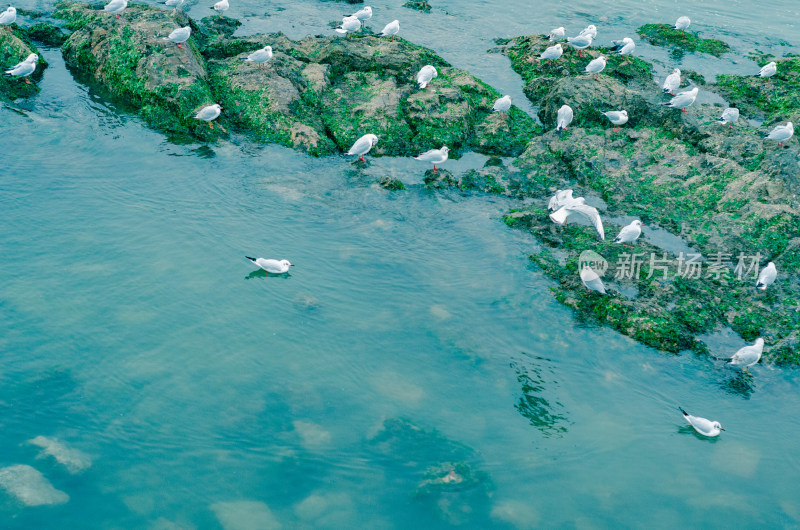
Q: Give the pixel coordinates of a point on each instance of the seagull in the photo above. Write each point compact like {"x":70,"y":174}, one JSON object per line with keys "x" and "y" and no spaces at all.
{"x":590,"y":30}
{"x":363,"y":145}
{"x":175,"y":4}
{"x":580,"y":43}
{"x":563,"y":198}
{"x":221,"y":6}
{"x":682,"y":22}
{"x":349,"y":25}
{"x":272,"y":265}
{"x":768,"y":70}
{"x":264,"y":55}
{"x":391,"y":29}
{"x":672,"y":82}
{"x":617,"y":117}
{"x":767,"y":276}
{"x":592,"y":280}
{"x":781,"y":133}
{"x":589,"y":212}
{"x":8,"y":17}
{"x":116,"y":7}
{"x":25,"y":68}
{"x":749,"y":355}
{"x":209,"y":114}
{"x":624,"y":46}
{"x":552,"y":53}
{"x":557,"y":34}
{"x":425,"y":75}
{"x":596,"y":66}
{"x":435,"y":156}
{"x":729,"y":116}
{"x":563,"y":118}
{"x":683,"y":99}
{"x":702,"y":425}
{"x":629,"y":234}
{"x":180,"y":35}
{"x":502,"y":104}
{"x":363,"y":14}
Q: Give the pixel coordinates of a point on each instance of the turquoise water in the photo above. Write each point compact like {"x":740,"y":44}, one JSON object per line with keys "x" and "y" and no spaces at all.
{"x":411,"y":333}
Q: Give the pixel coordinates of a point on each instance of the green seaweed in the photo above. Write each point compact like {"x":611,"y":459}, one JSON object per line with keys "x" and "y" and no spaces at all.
{"x":666,"y":35}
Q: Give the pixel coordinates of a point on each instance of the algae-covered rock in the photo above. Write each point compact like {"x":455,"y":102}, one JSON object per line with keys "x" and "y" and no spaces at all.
{"x":419,"y":5}
{"x":666,"y":35}
{"x":15,"y":48}
{"x":133,"y":61}
{"x":775,"y":99}
{"x":47,"y":34}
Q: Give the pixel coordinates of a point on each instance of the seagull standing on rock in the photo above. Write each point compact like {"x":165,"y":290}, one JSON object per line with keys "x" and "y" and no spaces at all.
{"x":434,"y":156}
{"x":589,"y":30}
{"x":273,"y":266}
{"x":363,"y":14}
{"x":25,"y":68}
{"x":682,"y":23}
{"x":767,"y":276}
{"x":617,"y":117}
{"x":221,"y":6}
{"x":580,"y":43}
{"x":363,"y":146}
{"x":624,"y":46}
{"x":629,"y":234}
{"x":592,"y":280}
{"x":768,"y":70}
{"x":552,"y":53}
{"x":672,"y":82}
{"x":502,"y":105}
{"x":563,"y":118}
{"x":391,"y":29}
{"x":701,"y":425}
{"x":8,"y":17}
{"x":596,"y":66}
{"x":349,"y":25}
{"x":749,"y":355}
{"x":116,"y":7}
{"x":264,"y":55}
{"x":426,"y":75}
{"x":209,"y":114}
{"x":180,"y":35}
{"x":729,"y":116}
{"x":682,"y":100}
{"x":557,"y":34}
{"x":781,"y":133}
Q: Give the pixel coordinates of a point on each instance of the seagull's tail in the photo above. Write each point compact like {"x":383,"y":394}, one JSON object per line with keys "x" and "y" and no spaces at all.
{"x":761,"y":286}
{"x":684,"y":412}
{"x":422,"y":85}
{"x":251,"y":259}
{"x":340,"y":30}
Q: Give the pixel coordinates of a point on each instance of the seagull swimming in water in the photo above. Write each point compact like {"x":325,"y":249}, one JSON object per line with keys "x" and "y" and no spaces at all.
{"x":363,"y":145}
{"x":434,"y":156}
{"x":273,"y":266}
{"x":729,"y":116}
{"x":701,"y":425}
{"x":683,"y":99}
{"x":781,"y":133}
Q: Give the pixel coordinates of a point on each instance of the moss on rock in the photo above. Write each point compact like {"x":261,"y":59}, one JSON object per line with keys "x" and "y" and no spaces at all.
{"x":15,"y":48}
{"x":775,"y":99}
{"x":47,"y":34}
{"x":666,"y":35}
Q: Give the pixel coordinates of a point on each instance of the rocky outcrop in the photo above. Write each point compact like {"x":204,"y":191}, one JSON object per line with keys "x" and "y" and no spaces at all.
{"x":319,"y":94}
{"x":681,"y":40}
{"x":15,"y":48}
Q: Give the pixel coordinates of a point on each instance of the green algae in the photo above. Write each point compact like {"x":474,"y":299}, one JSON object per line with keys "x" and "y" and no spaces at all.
{"x":776,"y":98}
{"x":418,"y":5}
{"x":15,"y":47}
{"x":47,"y":34}
{"x":666,"y":35}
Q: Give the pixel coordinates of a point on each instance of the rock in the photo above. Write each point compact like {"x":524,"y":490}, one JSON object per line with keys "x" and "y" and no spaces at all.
{"x":441,"y":179}
{"x":47,"y":34}
{"x":15,"y":48}
{"x":666,"y":35}
{"x":419,"y":5}
{"x":776,"y":99}
{"x":245,"y":515}
{"x":391,"y":183}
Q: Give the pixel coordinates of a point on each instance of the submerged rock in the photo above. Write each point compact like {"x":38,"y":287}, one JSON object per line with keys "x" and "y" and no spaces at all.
{"x":73,"y":460}
{"x":690,"y":41}
{"x":29,"y":486}
{"x":245,"y":515}
{"x":419,"y":5}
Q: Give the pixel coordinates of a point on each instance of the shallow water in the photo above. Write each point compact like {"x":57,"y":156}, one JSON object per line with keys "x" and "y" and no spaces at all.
{"x":195,"y":392}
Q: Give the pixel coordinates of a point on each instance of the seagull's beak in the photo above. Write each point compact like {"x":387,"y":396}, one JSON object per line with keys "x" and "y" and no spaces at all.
{"x":291,"y":264}
{"x":721,"y":429}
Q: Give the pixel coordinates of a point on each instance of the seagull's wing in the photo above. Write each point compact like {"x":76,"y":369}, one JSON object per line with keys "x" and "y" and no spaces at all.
{"x":362,"y":145}
{"x":592,"y":215}
{"x":628,"y":233}
{"x":427,"y":156}
{"x":702,"y":425}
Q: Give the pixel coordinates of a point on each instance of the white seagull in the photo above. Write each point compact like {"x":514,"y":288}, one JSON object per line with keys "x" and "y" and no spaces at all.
{"x":617,"y":117}
{"x":563,"y":118}
{"x":349,"y":25}
{"x":116,"y":7}
{"x":363,"y":14}
{"x":767,"y":276}
{"x":768,"y":70}
{"x":8,"y":17}
{"x":426,"y":75}
{"x":590,"y":30}
{"x":209,"y":114}
{"x":592,"y":280}
{"x":682,"y":22}
{"x":363,"y":146}
{"x":683,"y":99}
{"x":589,"y":212}
{"x":557,"y":34}
{"x":580,"y":43}
{"x":502,"y":104}
{"x":672,"y":82}
{"x":596,"y":66}
{"x":179,"y":36}
{"x":749,"y":355}
{"x":624,"y":46}
{"x":391,"y":29}
{"x":434,"y":156}
{"x":629,"y":234}
{"x":781,"y":133}
{"x":729,"y":116}
{"x":264,"y":55}
{"x":25,"y":68}
{"x":552,"y":53}
{"x":272,"y":265}
{"x":563,"y":198}
{"x":221,"y":6}
{"x":702,"y":425}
